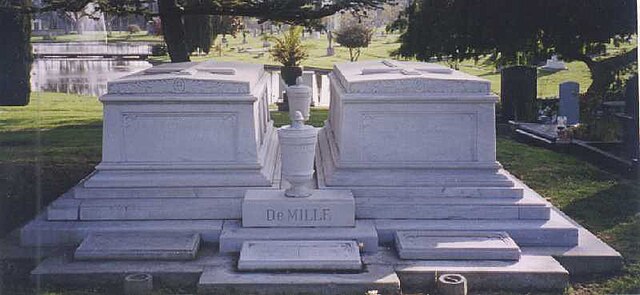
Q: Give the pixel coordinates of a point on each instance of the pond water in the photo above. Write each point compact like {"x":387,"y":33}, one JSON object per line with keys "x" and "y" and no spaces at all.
{"x":88,"y":76}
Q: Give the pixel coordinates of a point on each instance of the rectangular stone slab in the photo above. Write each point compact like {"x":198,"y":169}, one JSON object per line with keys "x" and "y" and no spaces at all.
{"x":456,"y":245}
{"x":138,"y":246}
{"x":299,"y":255}
{"x":221,"y":279}
{"x":271,"y":208}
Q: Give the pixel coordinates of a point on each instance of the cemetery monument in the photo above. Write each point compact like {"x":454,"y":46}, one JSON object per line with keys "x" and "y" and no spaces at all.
{"x":197,"y":187}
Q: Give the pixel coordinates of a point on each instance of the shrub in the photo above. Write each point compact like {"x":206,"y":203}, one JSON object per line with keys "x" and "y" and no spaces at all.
{"x":355,"y":36}
{"x":289,"y":50}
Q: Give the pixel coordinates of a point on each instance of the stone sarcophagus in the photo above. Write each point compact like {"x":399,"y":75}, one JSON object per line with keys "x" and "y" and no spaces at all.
{"x":397,"y":123}
{"x":185,"y":125}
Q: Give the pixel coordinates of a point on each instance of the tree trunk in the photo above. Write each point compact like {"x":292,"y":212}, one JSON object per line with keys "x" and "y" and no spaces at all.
{"x":15,"y":56}
{"x":173,"y":30}
{"x":603,"y":72}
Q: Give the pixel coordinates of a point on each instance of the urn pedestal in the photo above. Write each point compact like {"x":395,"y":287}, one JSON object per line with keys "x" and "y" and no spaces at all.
{"x":299,"y":97}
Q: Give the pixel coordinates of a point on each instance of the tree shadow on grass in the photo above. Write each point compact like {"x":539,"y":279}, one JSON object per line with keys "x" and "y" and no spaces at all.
{"x":36,"y":167}
{"x":607,"y":208}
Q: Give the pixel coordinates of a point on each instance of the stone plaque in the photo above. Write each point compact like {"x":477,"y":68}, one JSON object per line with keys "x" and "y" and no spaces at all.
{"x":299,"y":255}
{"x":138,"y":246}
{"x":456,"y":245}
{"x":271,"y":208}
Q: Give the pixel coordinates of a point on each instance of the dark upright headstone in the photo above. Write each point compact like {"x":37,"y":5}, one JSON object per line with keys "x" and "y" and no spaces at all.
{"x":518,"y":93}
{"x":631,"y":132}
{"x":569,"y":102}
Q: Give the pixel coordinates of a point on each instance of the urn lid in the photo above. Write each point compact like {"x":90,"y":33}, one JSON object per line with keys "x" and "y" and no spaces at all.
{"x":398,"y":77}
{"x":209,"y":77}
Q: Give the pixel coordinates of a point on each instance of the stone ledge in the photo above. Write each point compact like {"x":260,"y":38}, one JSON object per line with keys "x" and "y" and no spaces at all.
{"x":40,"y":232}
{"x":555,"y":232}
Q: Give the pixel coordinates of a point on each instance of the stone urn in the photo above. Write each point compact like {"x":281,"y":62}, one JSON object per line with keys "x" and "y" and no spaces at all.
{"x":298,"y":149}
{"x":299,"y":97}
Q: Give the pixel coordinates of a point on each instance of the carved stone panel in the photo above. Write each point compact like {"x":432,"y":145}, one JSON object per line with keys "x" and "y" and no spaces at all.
{"x":179,"y":137}
{"x":418,"y":137}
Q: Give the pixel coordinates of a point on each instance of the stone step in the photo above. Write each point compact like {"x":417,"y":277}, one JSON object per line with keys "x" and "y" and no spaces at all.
{"x":41,"y":232}
{"x":138,"y":246}
{"x":65,"y":271}
{"x":65,"y":207}
{"x":435,"y":192}
{"x":300,"y":255}
{"x":225,"y":280}
{"x":456,"y":245}
{"x":451,"y":208}
{"x":530,"y":273}
{"x":557,"y":231}
{"x":160,"y":208}
{"x":233,"y":235}
{"x":81,"y":192}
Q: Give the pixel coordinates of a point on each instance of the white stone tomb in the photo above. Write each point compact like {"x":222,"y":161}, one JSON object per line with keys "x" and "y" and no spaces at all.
{"x":186,"y":125}
{"x":409,"y":124}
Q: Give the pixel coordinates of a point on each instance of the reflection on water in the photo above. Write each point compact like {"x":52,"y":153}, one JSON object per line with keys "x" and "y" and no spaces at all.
{"x":80,"y":76}
{"x":92,"y":47}
{"x":88,"y":76}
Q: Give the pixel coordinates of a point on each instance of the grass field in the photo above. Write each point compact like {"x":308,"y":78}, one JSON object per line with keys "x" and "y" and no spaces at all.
{"x":46,"y":147}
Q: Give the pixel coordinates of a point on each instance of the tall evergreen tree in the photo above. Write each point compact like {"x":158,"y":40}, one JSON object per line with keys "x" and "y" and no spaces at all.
{"x":523,"y":32}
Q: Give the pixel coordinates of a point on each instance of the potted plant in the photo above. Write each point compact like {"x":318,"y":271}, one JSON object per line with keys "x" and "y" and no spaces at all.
{"x":290,"y":52}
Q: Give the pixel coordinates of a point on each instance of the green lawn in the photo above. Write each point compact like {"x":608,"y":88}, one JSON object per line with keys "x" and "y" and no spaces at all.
{"x":46,"y":147}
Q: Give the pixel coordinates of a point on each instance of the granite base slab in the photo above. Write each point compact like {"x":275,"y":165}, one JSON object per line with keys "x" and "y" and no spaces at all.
{"x":300,"y":255}
{"x":271,"y":208}
{"x":138,"y":246}
{"x":64,"y":271}
{"x":456,"y":245}
{"x":527,"y":274}
{"x":224,"y":280}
